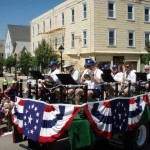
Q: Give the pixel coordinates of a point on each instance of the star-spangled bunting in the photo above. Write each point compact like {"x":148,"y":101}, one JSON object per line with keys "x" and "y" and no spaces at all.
{"x":115,"y":115}
{"x":40,"y":121}
{"x":43,"y":122}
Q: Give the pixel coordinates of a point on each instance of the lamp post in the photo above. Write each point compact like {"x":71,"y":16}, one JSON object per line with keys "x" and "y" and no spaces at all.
{"x":61,"y":49}
{"x":15,"y":55}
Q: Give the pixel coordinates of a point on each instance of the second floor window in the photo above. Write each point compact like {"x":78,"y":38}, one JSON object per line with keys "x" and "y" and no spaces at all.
{"x":111,"y":37}
{"x":72,"y":15}
{"x":33,"y":31}
{"x":62,"y":19}
{"x":147,"y":14}
{"x":130,"y":12}
{"x":84,"y":11}
{"x":72,"y":40}
{"x":111,"y":9}
{"x":38,"y":29}
{"x":131,"y":38}
{"x":50,"y":24}
{"x":43,"y":26}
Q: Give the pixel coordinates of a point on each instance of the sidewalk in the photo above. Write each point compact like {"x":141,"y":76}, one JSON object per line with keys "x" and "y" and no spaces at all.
{"x":12,"y":75}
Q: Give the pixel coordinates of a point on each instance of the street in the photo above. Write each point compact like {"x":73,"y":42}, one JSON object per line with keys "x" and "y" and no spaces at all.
{"x":6,"y":143}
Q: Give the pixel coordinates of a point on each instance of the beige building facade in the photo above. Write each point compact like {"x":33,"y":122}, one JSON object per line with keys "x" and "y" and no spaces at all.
{"x":108,"y":31}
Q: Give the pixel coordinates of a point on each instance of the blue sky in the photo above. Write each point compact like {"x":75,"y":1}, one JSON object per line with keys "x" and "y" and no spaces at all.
{"x":21,"y":12}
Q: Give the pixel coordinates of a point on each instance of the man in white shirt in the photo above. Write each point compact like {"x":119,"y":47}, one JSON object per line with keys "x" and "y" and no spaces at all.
{"x":92,"y":78}
{"x":129,"y":76}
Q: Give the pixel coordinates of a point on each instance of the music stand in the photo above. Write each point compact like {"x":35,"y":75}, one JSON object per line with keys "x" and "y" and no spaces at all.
{"x":66,"y":79}
{"x":107,"y":77}
{"x":36,"y":74}
{"x":141,"y":76}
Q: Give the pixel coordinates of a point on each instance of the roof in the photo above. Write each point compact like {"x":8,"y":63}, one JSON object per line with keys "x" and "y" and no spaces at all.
{"x":19,"y":33}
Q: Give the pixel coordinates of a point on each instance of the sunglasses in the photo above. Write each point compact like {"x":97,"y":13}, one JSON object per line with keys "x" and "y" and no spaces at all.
{"x":126,"y":66}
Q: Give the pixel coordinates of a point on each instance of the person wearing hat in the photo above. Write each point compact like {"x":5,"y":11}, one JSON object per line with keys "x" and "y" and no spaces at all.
{"x":92,"y":77}
{"x":118,"y":77}
{"x":53,"y":70}
{"x":69,"y":69}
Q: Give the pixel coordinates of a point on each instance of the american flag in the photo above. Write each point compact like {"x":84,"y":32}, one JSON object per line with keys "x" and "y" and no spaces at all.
{"x":40,"y":121}
{"x":115,"y":115}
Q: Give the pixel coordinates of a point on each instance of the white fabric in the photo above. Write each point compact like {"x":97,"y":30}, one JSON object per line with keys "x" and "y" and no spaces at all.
{"x":53,"y":75}
{"x":91,"y":83}
{"x":75,"y":75}
{"x":131,"y":76}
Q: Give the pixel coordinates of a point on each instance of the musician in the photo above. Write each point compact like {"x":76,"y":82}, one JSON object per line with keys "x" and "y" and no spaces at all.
{"x":69,"y":69}
{"x":146,"y":70}
{"x":92,"y":77}
{"x":53,"y":70}
{"x":117,"y":75}
{"x":129,"y":76}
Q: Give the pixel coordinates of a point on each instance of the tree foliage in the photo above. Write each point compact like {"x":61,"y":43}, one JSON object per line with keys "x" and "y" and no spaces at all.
{"x":2,"y":60}
{"x":25,"y":62}
{"x":44,"y":53}
{"x":10,"y":62}
{"x":145,"y":58}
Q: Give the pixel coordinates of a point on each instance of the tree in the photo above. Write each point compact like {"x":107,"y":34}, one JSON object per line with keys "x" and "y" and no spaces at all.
{"x":145,"y":58}
{"x":10,"y":62}
{"x":25,"y":62}
{"x":2,"y":60}
{"x":44,"y":54}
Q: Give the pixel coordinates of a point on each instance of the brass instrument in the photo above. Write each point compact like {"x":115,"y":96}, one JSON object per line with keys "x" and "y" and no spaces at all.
{"x":87,"y":75}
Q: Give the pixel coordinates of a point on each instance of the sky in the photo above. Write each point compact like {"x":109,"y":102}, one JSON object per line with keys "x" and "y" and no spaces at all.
{"x":21,"y":12}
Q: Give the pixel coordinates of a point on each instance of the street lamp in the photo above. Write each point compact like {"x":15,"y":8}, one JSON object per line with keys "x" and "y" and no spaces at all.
{"x":61,"y":49}
{"x":15,"y":55}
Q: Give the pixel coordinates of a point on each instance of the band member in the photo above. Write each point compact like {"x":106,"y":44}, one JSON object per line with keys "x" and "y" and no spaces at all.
{"x":53,"y":70}
{"x":69,"y":69}
{"x":117,"y":75}
{"x":92,"y":77}
{"x":129,"y":76}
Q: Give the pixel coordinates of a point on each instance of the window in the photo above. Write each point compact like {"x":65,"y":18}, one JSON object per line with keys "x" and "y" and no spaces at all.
{"x":38,"y":29}
{"x":72,"y":40}
{"x":55,"y":21}
{"x":131,"y":38}
{"x":63,"y":41}
{"x":111,"y":9}
{"x":147,"y":14}
{"x":130,"y":12}
{"x":50,"y":24}
{"x":33,"y":31}
{"x":84,"y":10}
{"x":72,"y":15}
{"x":84,"y":38}
{"x":112,"y":37}
{"x":147,"y":39}
{"x":62,"y":19}
{"x":43,"y":26}
{"x":56,"y":42}
{"x":33,"y":46}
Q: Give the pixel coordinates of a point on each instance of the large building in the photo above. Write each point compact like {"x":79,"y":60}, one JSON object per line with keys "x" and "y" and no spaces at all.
{"x":17,"y":39}
{"x":111,"y":31}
